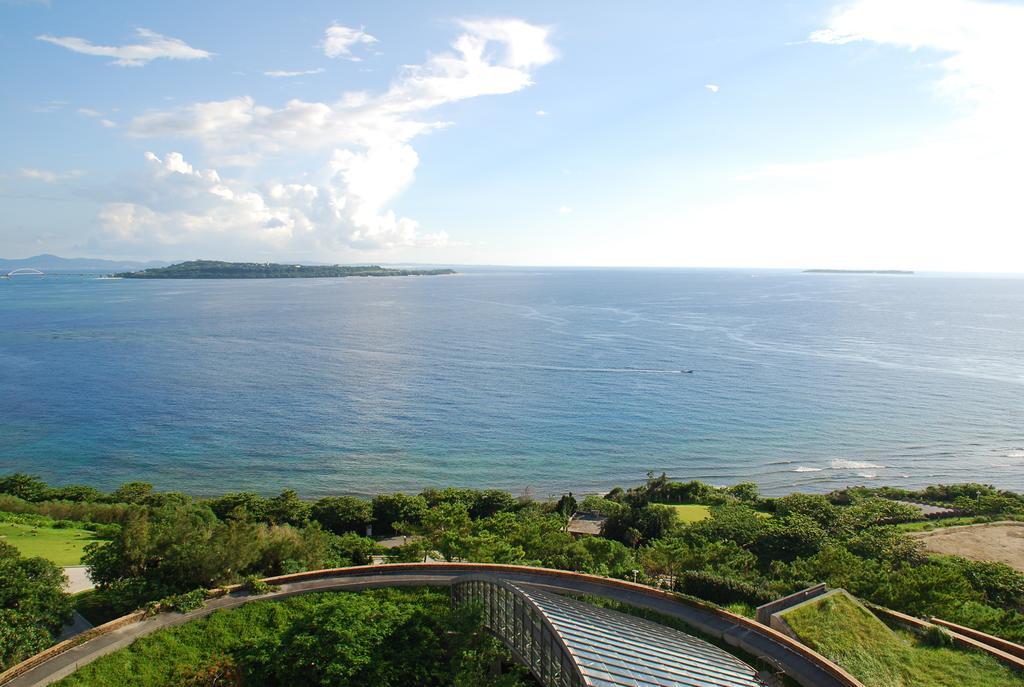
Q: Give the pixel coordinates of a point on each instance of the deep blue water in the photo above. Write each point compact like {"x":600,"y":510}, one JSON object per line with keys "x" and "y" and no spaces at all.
{"x":547,"y":379}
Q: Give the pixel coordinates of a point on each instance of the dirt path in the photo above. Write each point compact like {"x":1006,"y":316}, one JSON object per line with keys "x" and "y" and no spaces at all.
{"x":1002,"y":542}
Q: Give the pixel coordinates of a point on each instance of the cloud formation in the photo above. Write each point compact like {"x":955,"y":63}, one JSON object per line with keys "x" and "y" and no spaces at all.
{"x":363,"y":138}
{"x":51,"y":106}
{"x":48,"y":176}
{"x":152,"y":46}
{"x":946,"y":200}
{"x":713,"y":87}
{"x":280,"y":74}
{"x":339,"y":41}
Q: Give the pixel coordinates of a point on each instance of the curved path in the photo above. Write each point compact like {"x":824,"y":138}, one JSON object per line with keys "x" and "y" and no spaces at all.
{"x":806,"y":667}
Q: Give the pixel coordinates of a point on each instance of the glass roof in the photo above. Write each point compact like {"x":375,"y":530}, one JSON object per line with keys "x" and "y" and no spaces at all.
{"x":614,"y":649}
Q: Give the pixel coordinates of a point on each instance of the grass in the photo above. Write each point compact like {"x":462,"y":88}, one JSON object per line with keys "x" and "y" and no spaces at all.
{"x":62,"y":546}
{"x":172,"y":656}
{"x":925,"y":525}
{"x":846,"y":632}
{"x":160,"y":658}
{"x":688,"y":513}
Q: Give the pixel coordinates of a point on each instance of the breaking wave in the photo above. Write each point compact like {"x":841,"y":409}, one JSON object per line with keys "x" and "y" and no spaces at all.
{"x":840,"y":464}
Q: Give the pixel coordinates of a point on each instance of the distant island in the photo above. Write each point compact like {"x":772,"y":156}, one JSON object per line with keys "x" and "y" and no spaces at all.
{"x":54,"y":264}
{"x":216,"y":269}
{"x":819,"y":271}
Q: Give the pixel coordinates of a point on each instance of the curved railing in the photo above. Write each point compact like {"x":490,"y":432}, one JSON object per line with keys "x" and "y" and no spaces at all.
{"x":803,"y":665}
{"x":523,"y":628}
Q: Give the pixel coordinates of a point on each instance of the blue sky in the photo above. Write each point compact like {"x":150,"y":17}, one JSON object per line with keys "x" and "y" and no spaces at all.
{"x":872,"y":133}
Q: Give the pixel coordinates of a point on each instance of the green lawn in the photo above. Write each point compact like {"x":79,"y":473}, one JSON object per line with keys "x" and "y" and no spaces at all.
{"x":62,"y":546}
{"x":853,"y":637}
{"x":687,"y":513}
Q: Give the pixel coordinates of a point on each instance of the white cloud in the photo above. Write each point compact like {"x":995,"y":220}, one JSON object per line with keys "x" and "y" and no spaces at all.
{"x":565,"y":210}
{"x":980,"y":42}
{"x":364,"y":138}
{"x":108,"y":123}
{"x":51,"y":106}
{"x":541,"y":113}
{"x":947,"y":200}
{"x":49,"y":176}
{"x":713,"y":87}
{"x":89,"y":112}
{"x":279,"y":74}
{"x":525,"y":45}
{"x":339,"y":41}
{"x":153,"y":46}
{"x":180,"y":205}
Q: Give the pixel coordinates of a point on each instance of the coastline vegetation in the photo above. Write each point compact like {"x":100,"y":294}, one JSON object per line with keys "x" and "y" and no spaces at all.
{"x":748,"y":550}
{"x":385,"y":637}
{"x":216,"y":269}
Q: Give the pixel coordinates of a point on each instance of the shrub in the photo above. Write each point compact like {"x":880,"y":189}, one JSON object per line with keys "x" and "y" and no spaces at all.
{"x":722,"y":590}
{"x":183,"y":603}
{"x":220,"y":671}
{"x":255,"y":585}
{"x":937,"y":636}
{"x":599,"y":506}
{"x":104,"y":531}
{"x":102,"y":513}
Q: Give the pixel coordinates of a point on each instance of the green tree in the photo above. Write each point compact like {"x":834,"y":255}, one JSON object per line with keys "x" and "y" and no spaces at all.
{"x":744,"y":491}
{"x":566,"y":505}
{"x":446,"y":528}
{"x":27,"y":487}
{"x":491,"y":502}
{"x":132,"y":492}
{"x":288,"y":509}
{"x":33,"y":606}
{"x":243,"y":505}
{"x":389,"y":509}
{"x":76,"y":493}
{"x":341,"y":514}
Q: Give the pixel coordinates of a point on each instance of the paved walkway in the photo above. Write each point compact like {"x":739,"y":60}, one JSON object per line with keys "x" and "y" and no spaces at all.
{"x":804,"y":666}
{"x":78,"y":579}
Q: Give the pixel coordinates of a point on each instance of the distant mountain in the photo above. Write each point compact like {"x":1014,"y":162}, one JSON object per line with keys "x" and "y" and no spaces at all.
{"x":53,"y":263}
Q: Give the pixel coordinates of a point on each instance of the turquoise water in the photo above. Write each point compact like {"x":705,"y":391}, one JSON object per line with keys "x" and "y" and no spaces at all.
{"x":543,"y":379}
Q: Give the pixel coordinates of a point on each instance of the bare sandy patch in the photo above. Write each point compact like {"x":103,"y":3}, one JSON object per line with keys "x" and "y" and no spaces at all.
{"x":1002,"y":542}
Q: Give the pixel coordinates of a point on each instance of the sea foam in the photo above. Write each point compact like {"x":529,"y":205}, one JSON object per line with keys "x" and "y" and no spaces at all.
{"x":841,"y":464}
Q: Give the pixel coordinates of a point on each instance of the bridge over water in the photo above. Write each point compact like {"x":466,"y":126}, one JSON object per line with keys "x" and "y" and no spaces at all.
{"x":24,"y":271}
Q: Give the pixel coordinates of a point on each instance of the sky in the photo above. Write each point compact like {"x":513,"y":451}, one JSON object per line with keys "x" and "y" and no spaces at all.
{"x":866,"y":134}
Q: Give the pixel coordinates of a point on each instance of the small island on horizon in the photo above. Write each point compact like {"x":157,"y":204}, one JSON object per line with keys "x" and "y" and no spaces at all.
{"x":217,"y":269}
{"x":828,"y":271}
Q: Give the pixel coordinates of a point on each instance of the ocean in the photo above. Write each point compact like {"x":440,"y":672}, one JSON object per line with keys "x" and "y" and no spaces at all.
{"x":530,"y":380}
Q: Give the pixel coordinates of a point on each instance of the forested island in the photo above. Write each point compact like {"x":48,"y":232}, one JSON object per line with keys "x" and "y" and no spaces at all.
{"x":824,"y":271}
{"x":217,"y":269}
